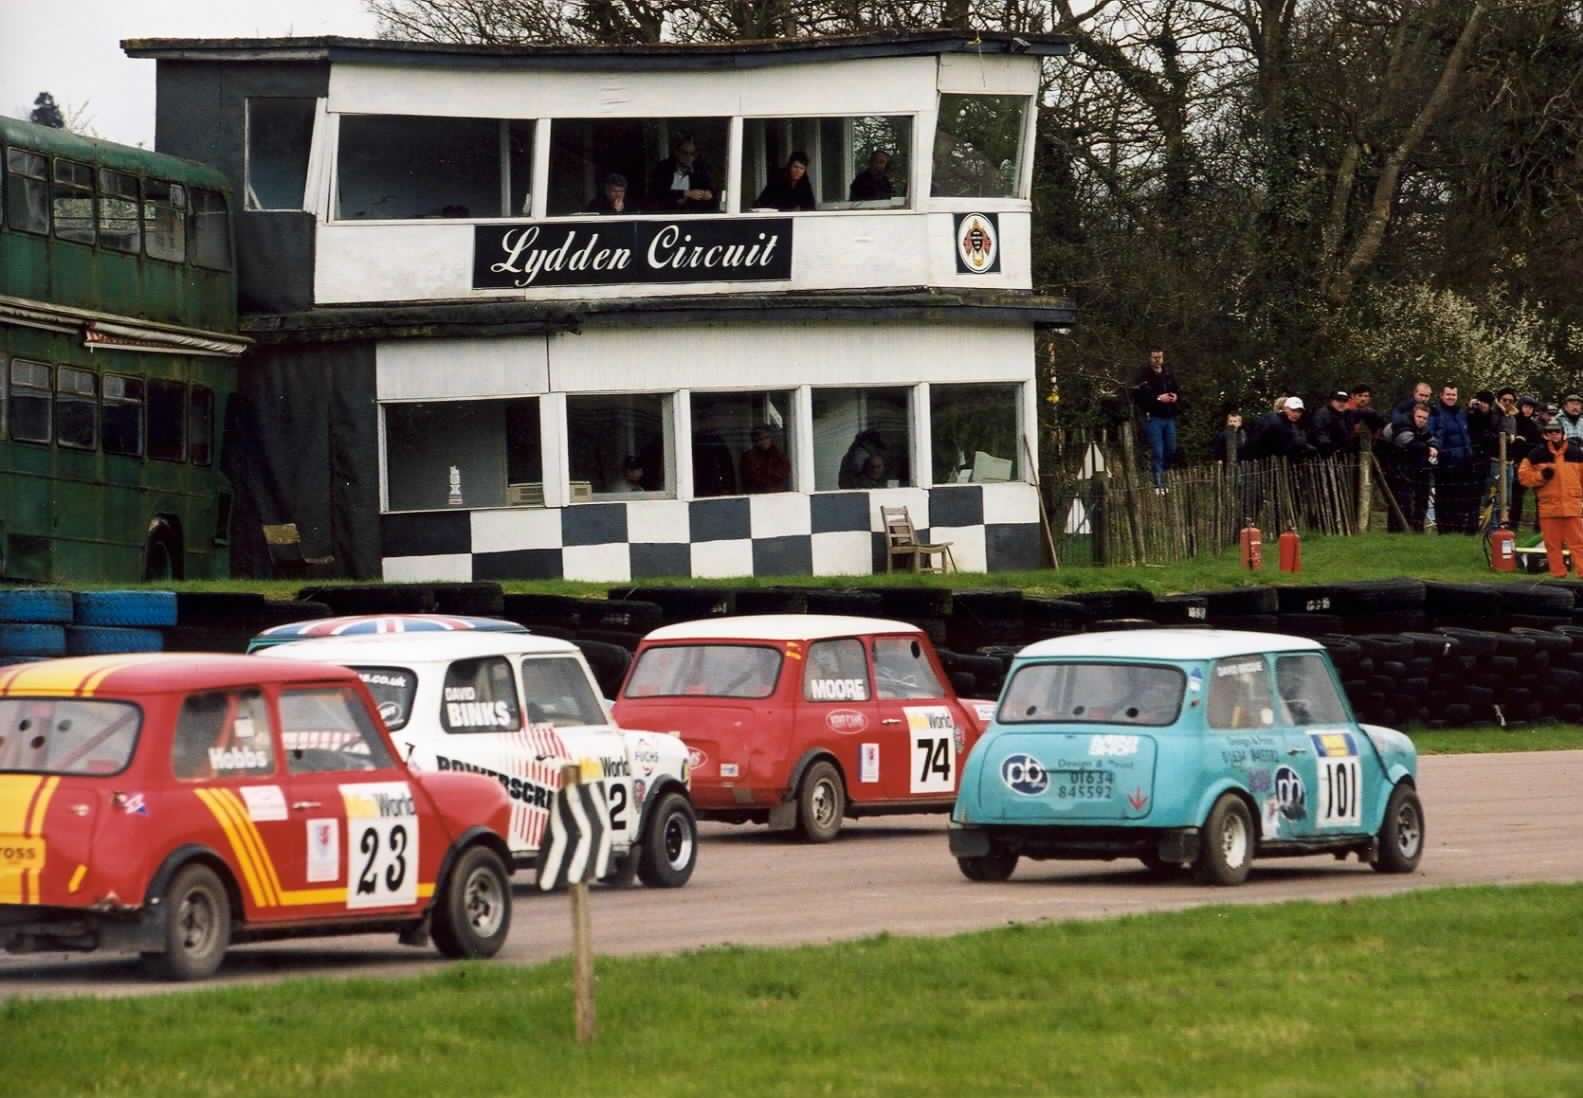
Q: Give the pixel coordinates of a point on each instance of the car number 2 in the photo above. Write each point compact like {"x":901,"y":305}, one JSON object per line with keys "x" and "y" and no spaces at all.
{"x":381,"y":845}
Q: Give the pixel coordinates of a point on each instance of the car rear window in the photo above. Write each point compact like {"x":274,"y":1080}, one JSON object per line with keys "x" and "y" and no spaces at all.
{"x":393,"y":689}
{"x":67,"y":736}
{"x":1093,"y":693}
{"x":705,"y":670}
{"x":556,"y":691}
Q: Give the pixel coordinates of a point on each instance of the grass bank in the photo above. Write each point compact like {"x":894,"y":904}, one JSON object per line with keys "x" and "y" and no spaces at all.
{"x":1449,"y":992}
{"x":1485,"y":740}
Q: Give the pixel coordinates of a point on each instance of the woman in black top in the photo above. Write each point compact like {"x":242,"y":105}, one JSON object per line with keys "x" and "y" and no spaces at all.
{"x":792,"y":190}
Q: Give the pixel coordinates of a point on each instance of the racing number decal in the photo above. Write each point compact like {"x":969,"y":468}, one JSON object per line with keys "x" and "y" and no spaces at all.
{"x":618,"y":805}
{"x":932,"y":733}
{"x":1340,"y":784}
{"x":381,"y":845}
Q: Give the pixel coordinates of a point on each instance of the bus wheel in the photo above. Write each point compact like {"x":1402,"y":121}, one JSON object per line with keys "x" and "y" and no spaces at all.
{"x":162,"y":554}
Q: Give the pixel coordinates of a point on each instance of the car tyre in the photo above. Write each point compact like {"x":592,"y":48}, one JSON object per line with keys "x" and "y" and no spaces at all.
{"x":821,"y":803}
{"x":197,"y":927}
{"x":669,"y":848}
{"x":1160,"y":868}
{"x":1226,"y":852}
{"x":1401,"y":837}
{"x":997,"y":865}
{"x":473,"y":915}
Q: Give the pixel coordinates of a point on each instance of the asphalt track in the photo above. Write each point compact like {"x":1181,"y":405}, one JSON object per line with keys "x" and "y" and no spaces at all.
{"x":1492,"y":819}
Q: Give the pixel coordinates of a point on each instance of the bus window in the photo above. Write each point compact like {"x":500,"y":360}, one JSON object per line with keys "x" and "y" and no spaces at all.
{"x":123,"y":415}
{"x":27,"y":191}
{"x":167,"y":418}
{"x":76,"y":409}
{"x":200,"y":424}
{"x":165,"y":220}
{"x":210,"y":235}
{"x":118,"y":225}
{"x":30,"y":398}
{"x":73,"y":201}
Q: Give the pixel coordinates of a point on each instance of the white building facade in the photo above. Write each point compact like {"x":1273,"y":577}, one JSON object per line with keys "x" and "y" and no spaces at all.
{"x":472,"y":365}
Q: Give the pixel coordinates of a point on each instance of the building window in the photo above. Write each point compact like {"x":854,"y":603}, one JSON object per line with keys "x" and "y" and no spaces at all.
{"x":123,"y":415}
{"x":742,"y":443}
{"x":118,"y":216}
{"x":76,"y":408}
{"x":852,"y":163}
{"x":27,"y":191}
{"x":978,"y":146}
{"x":400,"y":167}
{"x":200,"y":424}
{"x":667,"y":165}
{"x":620,"y":445}
{"x":72,"y":201}
{"x":862,"y":438}
{"x":30,"y":400}
{"x":279,"y":134}
{"x":165,"y":220}
{"x":210,"y":235}
{"x":463,"y":453}
{"x":167,"y":420}
{"x":975,"y":433}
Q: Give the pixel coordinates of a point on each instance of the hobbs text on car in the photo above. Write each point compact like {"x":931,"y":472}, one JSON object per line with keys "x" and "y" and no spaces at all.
{"x":1183,"y":748}
{"x":174,"y":804}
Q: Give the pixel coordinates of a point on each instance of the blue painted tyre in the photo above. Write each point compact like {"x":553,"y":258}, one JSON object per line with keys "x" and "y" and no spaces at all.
{"x":42,"y":605}
{"x":138,"y":608}
{"x":31,"y":639}
{"x":17,"y":661}
{"x":100,"y":640}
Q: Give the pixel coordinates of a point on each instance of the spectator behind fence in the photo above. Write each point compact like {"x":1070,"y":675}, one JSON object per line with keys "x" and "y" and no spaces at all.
{"x":1458,"y":477}
{"x":873,"y":183}
{"x":1158,"y":400}
{"x":1422,"y":393}
{"x":1409,"y":453}
{"x":791,"y":191}
{"x":764,"y":467}
{"x":1361,"y":415}
{"x":682,"y":181}
{"x":1327,"y":431}
{"x":612,"y":198}
{"x":1554,"y":469}
{"x":1526,"y":429}
{"x":1232,"y":440}
{"x":1280,"y":434}
{"x":1572,"y":417}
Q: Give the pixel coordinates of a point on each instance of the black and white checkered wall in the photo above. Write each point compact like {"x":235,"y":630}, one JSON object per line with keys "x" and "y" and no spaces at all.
{"x":991,"y":527}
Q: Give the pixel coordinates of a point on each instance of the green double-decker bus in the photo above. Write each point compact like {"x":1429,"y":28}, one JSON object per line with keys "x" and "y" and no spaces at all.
{"x":119,"y":347}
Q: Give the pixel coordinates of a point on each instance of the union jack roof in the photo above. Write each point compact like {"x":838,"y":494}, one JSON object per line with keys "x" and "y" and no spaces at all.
{"x":357,"y":624}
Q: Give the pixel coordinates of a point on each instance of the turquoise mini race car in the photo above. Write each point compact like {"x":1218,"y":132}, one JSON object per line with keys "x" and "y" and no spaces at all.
{"x":1183,"y":748}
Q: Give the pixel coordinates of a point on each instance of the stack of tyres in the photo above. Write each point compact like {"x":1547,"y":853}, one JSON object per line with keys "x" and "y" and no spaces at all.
{"x":109,"y":622}
{"x":33,"y":623}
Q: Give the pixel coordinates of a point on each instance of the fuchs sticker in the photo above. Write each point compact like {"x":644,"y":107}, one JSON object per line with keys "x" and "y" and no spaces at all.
{"x":833,"y":690}
{"x":381,"y":845}
{"x":869,"y":763}
{"x":846,"y":722}
{"x":1024,"y":775}
{"x":1116,"y":746}
{"x":647,"y":759}
{"x":324,"y":850}
{"x":1340,"y":780}
{"x":696,"y":759}
{"x":932,"y":735}
{"x":265,"y":803}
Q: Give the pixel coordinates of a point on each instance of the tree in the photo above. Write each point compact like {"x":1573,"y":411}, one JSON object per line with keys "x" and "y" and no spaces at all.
{"x":46,"y":113}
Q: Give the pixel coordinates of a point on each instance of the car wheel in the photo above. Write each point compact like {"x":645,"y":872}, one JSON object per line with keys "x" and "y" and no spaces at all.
{"x":670,"y":844}
{"x":473,"y":916}
{"x":197,"y":926}
{"x":996,"y":866}
{"x":821,"y":803}
{"x":1401,"y":838}
{"x":1226,"y":852}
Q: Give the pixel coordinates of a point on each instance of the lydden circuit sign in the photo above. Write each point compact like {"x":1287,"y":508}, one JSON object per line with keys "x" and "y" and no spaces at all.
{"x":609,"y":252}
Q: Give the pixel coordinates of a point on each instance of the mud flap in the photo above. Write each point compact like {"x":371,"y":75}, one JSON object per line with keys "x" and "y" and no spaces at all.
{"x":1178,"y":846}
{"x":783,"y":817}
{"x":968,"y":843}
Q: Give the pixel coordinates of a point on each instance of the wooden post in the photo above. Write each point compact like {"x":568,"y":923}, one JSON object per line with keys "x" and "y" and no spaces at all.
{"x":1503,"y":500}
{"x":1390,"y":497}
{"x":582,"y":942}
{"x":1365,"y":480}
{"x":1129,"y":480}
{"x":1044,"y":514}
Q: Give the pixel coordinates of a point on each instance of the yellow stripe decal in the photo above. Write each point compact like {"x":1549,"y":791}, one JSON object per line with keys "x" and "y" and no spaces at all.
{"x":254,"y":842}
{"x":16,"y":797}
{"x":425,"y":890}
{"x":237,"y":849}
{"x":76,"y":879}
{"x":35,"y":829}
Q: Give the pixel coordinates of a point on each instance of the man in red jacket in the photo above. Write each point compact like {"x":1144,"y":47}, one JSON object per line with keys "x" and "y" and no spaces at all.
{"x":1555,"y":471}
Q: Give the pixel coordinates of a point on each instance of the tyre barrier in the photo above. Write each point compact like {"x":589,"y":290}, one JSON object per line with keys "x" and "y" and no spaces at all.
{"x":140,"y":609}
{"x":36,"y":605}
{"x":102,"y":640}
{"x":19,"y":638}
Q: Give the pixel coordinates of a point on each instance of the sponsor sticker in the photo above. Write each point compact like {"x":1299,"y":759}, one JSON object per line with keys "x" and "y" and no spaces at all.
{"x":932,"y":735}
{"x":1340,"y":780}
{"x":728,"y":770}
{"x":830,"y":690}
{"x":132,"y":804}
{"x":1248,"y":667}
{"x":1024,"y":775}
{"x":1290,"y":794}
{"x":984,"y":711}
{"x":648,"y":759}
{"x":324,"y":850}
{"x":265,"y":803}
{"x":1110,"y":745}
{"x":868,"y":770}
{"x":846,"y":722}
{"x":696,"y":759}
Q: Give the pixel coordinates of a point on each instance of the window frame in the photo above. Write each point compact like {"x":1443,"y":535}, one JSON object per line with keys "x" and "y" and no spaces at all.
{"x":386,"y":759}
{"x":47,"y":394}
{"x":384,"y":436}
{"x":1343,"y":703}
{"x":168,"y":201}
{"x":669,"y":489}
{"x":41,"y":181}
{"x":1021,"y":190}
{"x":513,"y":682}
{"x":55,"y":183}
{"x":247,"y":153}
{"x":141,"y":403}
{"x":103,"y":195}
{"x":270,"y":727}
{"x":843,"y":205}
{"x":149,"y":385}
{"x":193,"y":389}
{"x":123,"y":703}
{"x":506,"y":183}
{"x":1272,"y":695}
{"x":193,"y":216}
{"x":808,"y":668}
{"x":62,"y":396}
{"x":1002,"y":716}
{"x":909,"y":417}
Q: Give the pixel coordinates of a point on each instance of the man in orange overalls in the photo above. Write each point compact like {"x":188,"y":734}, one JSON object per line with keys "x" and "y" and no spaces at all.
{"x":1554,"y":469}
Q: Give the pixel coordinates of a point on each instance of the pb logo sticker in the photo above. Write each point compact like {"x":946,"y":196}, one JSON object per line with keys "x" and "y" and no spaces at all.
{"x":1024,"y":775}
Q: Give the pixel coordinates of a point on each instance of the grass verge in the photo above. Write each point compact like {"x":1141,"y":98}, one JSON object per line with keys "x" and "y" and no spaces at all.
{"x":1486,"y":740}
{"x":1449,"y":992}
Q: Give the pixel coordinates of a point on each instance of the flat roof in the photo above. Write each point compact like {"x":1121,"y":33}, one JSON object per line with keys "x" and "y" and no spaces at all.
{"x":384,"y":647}
{"x":1170,"y":644}
{"x":778,"y":627}
{"x":746,"y":54}
{"x":129,"y":675}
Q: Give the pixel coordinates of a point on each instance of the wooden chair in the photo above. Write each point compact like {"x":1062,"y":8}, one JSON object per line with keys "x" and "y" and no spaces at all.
{"x":901,"y":540}
{"x":286,"y":556}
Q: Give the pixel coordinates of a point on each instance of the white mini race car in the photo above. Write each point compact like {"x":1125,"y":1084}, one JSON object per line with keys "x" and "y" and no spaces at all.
{"x":517,"y":708}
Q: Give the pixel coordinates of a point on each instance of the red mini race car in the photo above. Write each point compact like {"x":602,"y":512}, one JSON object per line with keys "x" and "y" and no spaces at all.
{"x":174,"y":804}
{"x":800,"y":720}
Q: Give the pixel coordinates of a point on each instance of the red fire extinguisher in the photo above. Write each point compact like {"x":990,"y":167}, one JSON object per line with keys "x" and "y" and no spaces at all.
{"x":1291,"y":551}
{"x":1502,"y":544}
{"x":1251,"y":540}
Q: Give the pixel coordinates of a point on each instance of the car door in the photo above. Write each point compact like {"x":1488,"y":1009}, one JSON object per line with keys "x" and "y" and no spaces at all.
{"x":566,"y":722}
{"x":1324,"y":747}
{"x":836,"y":711}
{"x":358,"y":837}
{"x":910,"y":697}
{"x":1246,"y":739}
